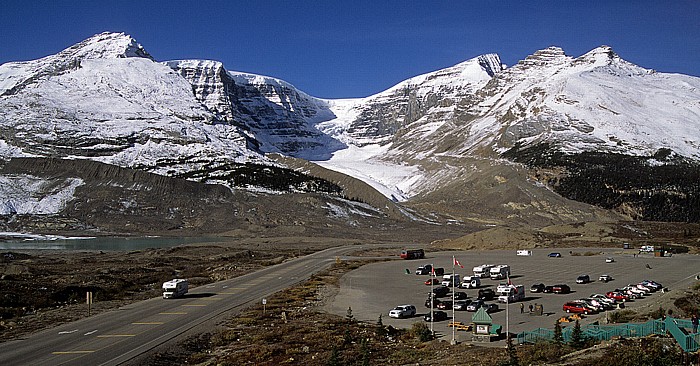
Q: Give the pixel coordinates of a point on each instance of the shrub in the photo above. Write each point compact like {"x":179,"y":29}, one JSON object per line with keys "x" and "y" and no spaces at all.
{"x":421,"y":332}
{"x":621,"y":316}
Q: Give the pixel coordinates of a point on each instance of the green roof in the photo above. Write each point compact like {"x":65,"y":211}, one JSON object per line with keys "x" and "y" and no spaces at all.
{"x":482,"y":317}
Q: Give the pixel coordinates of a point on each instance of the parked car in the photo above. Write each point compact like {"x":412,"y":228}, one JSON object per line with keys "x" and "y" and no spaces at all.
{"x":459,"y":295}
{"x":548,"y":289}
{"x":592,"y":304}
{"x":475,"y":305}
{"x":437,"y":315}
{"x":487,"y":294}
{"x":490,"y":308}
{"x":618,"y":296}
{"x":538,"y":287}
{"x":561,"y":289}
{"x":583,"y":279}
{"x":424,"y":269}
{"x":609,"y":260}
{"x":433,"y":300}
{"x":402,"y":311}
{"x":605,"y":278}
{"x":432,"y":281}
{"x":554,"y":255}
{"x":461,"y":305}
{"x":441,"y":291}
{"x":604,"y":299}
{"x":444,"y":305}
{"x":654,"y":284}
{"x":576,"y":307}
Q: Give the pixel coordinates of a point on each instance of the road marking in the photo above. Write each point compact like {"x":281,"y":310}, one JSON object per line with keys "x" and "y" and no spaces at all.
{"x":228,"y":293}
{"x":115,"y":335}
{"x":148,"y":323}
{"x":174,"y":313}
{"x":68,"y":331}
{"x":195,"y":305}
{"x":90,"y":332}
{"x":70,"y":352}
{"x":211,"y":299}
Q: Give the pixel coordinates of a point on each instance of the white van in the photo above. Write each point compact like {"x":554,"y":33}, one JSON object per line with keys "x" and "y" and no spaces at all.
{"x":449,"y":279}
{"x":470,"y":282}
{"x":524,"y":252}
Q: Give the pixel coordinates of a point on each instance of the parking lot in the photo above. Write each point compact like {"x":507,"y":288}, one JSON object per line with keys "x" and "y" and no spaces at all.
{"x":376,"y":288}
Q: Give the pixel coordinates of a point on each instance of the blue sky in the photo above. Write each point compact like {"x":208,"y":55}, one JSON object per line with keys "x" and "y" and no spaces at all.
{"x":337,"y":49}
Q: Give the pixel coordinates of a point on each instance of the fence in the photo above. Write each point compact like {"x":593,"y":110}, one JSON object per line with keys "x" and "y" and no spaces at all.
{"x":676,"y":327}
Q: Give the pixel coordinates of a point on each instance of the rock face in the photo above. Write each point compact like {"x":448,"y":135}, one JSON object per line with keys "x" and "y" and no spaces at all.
{"x":279,"y":117}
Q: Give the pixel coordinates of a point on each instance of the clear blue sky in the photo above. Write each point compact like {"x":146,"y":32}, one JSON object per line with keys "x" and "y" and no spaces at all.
{"x":356,"y":48}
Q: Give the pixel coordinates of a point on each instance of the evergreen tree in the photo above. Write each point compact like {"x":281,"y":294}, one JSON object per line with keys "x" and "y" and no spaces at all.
{"x":512,"y":353}
{"x":364,"y":350}
{"x":348,"y":315}
{"x":558,"y":335}
{"x":578,"y":340}
{"x":334,"y":360}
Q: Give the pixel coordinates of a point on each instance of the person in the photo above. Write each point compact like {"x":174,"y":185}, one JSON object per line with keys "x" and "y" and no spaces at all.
{"x":522,"y":308}
{"x":694,"y":321}
{"x":530,"y":307}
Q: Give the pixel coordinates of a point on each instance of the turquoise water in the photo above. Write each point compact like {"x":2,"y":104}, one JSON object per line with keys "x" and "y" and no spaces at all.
{"x":102,"y":243}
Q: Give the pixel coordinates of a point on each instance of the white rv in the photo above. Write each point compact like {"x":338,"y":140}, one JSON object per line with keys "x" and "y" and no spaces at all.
{"x":482,"y":271}
{"x":174,"y":288}
{"x":524,"y":252}
{"x":510,"y":293}
{"x":499,"y":272}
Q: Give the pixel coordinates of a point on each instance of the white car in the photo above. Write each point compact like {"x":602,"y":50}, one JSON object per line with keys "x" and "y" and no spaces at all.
{"x":402,"y":311}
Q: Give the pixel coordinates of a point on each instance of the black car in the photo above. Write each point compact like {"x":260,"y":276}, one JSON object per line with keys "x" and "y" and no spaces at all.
{"x":437,"y":316}
{"x":554,"y":255}
{"x":490,"y":308}
{"x":444,"y":305}
{"x":460,"y":295}
{"x":487,"y":294}
{"x":461,"y":305}
{"x":434,"y":301}
{"x":538,"y":287}
{"x":548,"y":289}
{"x":441,"y":291}
{"x":583,"y":279}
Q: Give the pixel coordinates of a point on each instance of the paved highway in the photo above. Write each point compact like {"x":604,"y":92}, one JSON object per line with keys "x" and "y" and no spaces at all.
{"x":124,"y":335}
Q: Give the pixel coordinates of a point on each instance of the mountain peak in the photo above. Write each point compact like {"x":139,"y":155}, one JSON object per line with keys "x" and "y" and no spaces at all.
{"x":107,"y":45}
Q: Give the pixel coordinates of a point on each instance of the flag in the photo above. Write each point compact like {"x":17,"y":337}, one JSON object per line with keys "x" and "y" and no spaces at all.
{"x":456,"y":262}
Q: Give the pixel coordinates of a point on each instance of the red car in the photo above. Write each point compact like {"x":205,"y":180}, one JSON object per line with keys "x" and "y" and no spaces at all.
{"x":576,"y":307}
{"x":618,"y":296}
{"x":433,"y":281}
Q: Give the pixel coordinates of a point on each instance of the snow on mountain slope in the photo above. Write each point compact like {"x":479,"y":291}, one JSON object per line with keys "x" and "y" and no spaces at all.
{"x":594,"y":102}
{"x":93,"y":101}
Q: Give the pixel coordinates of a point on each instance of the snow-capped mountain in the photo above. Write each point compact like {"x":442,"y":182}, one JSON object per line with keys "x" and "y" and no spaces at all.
{"x":595,"y":102}
{"x":106,"y":99}
{"x":427,"y":138}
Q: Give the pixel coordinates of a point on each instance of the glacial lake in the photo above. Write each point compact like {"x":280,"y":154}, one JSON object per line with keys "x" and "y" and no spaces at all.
{"x":100,"y":243}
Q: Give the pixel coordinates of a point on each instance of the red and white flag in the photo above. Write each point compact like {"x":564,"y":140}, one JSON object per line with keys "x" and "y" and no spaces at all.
{"x":456,"y":262}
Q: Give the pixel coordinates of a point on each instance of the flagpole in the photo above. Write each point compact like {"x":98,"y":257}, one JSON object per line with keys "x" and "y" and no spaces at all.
{"x":432,"y":297}
{"x":453,"y":300}
{"x":508,"y":303}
